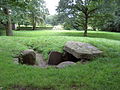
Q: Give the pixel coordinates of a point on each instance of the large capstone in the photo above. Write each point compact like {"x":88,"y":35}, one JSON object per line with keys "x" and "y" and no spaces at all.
{"x":28,"y":57}
{"x":81,"y":50}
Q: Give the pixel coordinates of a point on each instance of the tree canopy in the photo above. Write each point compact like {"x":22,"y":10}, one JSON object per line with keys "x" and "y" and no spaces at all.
{"x":21,"y":11}
{"x":72,"y":14}
{"x":87,"y":13}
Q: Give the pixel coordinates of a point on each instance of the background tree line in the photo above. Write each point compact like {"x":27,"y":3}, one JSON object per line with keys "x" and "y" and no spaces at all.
{"x":21,"y":12}
{"x":72,"y":14}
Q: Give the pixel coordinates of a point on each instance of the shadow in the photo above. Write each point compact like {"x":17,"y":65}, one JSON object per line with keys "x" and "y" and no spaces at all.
{"x":93,"y":34}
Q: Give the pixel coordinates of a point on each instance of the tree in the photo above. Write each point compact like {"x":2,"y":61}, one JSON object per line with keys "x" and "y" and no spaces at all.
{"x":5,"y":11}
{"x":6,"y":8}
{"x":21,"y":11}
{"x":113,"y":24}
{"x":37,"y":12}
{"x":52,"y":20}
{"x":81,"y":10}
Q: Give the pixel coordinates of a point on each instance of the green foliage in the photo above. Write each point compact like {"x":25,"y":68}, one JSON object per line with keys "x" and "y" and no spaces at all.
{"x":7,"y":7}
{"x":37,"y":28}
{"x":1,"y":32}
{"x":98,"y":14}
{"x":36,"y":11}
{"x":68,"y":26}
{"x":22,"y":12}
{"x":113,"y":24}
{"x":107,"y":18}
{"x":79,"y":11}
{"x":52,"y":20}
{"x":102,"y":73}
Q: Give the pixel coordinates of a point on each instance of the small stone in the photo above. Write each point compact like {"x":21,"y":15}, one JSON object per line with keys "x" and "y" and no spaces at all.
{"x":1,"y":88}
{"x":55,"y":58}
{"x":65,"y":64}
{"x":16,"y":60}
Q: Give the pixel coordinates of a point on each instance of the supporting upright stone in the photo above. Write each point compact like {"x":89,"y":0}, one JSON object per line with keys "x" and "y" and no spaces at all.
{"x":28,"y":57}
{"x":55,"y":58}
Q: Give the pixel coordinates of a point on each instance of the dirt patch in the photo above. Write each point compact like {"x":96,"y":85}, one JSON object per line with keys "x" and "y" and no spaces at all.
{"x":40,"y":60}
{"x":17,"y":87}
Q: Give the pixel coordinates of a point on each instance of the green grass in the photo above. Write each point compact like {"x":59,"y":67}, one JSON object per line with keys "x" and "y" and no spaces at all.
{"x":102,"y":73}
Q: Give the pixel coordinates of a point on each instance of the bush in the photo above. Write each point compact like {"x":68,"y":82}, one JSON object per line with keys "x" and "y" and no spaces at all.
{"x":1,"y":30}
{"x":37,"y":28}
{"x":112,"y":26}
{"x":68,"y":26}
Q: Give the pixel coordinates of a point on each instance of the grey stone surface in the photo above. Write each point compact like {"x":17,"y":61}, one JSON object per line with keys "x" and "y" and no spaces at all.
{"x":81,"y":50}
{"x":55,"y":58}
{"x":65,"y":64}
{"x":40,"y":60}
{"x":28,"y":57}
{"x":16,"y":60}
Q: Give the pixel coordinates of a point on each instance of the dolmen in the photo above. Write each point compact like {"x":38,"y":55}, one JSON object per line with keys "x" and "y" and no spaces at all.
{"x":73,"y":52}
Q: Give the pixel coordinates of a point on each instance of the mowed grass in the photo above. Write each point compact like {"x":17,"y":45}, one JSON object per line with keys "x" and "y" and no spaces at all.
{"x":102,"y":73}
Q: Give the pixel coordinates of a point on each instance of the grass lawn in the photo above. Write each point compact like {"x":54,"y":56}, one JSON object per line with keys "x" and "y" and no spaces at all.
{"x":102,"y":73}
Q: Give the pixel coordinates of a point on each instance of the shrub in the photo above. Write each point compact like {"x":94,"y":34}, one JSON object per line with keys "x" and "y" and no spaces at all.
{"x":37,"y":28}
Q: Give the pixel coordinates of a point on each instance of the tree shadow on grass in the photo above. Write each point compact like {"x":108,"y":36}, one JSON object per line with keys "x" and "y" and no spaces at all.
{"x":91,"y":34}
{"x":106,"y":35}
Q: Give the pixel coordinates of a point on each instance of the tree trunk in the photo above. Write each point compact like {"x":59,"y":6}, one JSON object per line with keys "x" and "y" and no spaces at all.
{"x":34,"y":23}
{"x":34,"y":26}
{"x":86,"y":25}
{"x":8,"y":25}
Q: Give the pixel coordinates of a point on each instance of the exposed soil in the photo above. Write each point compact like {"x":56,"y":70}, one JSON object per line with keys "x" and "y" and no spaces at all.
{"x":17,"y":87}
{"x":40,"y":60}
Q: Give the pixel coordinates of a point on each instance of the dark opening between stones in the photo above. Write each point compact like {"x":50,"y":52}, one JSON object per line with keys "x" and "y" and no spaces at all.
{"x":56,"y":57}
{"x":69,"y":57}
